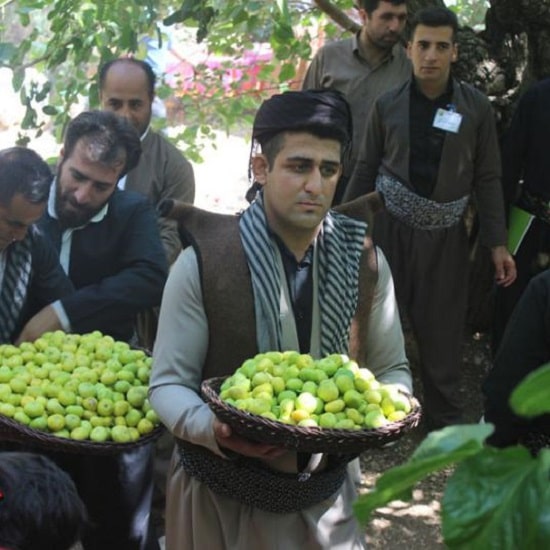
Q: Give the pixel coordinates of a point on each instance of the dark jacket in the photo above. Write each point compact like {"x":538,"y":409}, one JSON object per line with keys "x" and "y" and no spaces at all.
{"x":48,"y":281}
{"x":117,"y":265}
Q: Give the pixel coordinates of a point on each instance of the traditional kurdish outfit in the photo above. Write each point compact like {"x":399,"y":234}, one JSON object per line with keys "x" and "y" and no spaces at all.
{"x":226,"y":300}
{"x":424,"y":237}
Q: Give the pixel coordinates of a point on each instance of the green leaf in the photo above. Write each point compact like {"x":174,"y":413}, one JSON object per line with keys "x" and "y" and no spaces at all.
{"x":7,"y":51}
{"x":532,"y":396}
{"x":288,"y":71}
{"x":499,"y":499}
{"x":50,"y":110}
{"x":440,"y":449}
{"x":18,"y":78}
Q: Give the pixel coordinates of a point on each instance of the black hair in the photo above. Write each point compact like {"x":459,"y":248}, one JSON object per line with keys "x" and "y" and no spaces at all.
{"x":39,"y":504}
{"x":143,"y":65}
{"x":22,"y":171}
{"x":371,"y":5}
{"x":115,"y":138}
{"x":435,"y":16}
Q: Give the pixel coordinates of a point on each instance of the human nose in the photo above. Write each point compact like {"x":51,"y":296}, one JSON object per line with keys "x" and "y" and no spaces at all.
{"x":395,"y":24}
{"x":314,"y":181}
{"x":82,"y":194}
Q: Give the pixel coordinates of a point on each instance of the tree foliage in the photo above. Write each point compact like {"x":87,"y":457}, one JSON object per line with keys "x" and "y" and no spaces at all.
{"x":65,"y":41}
{"x":496,"y":498}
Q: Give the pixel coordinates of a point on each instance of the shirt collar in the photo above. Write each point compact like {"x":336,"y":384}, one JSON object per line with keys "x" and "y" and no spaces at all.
{"x":51,"y":208}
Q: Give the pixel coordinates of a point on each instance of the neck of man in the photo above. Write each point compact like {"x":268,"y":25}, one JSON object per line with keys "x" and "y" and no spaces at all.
{"x":299,"y":244}
{"x":370,"y":52}
{"x":432,"y":90}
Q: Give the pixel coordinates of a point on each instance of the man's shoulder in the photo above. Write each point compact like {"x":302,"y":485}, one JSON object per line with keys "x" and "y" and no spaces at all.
{"x":128,"y":202}
{"x":155,"y":141}
{"x":392,"y":94}
{"x":470,"y":92}
{"x":338,"y":46}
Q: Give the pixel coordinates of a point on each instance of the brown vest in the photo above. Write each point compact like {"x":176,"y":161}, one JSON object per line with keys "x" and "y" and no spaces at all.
{"x":227,"y":287}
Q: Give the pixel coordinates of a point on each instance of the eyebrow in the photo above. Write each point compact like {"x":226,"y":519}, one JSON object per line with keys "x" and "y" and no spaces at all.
{"x":309,"y":159}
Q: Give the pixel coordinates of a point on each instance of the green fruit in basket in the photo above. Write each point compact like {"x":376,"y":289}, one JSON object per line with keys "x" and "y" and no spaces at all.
{"x":39,"y":423}
{"x":72,"y":421}
{"x":56,"y":422}
{"x":53,"y":406}
{"x":294,"y":384}
{"x":33,"y":409}
{"x":344,"y":382}
{"x":397,"y":416}
{"x":99,"y":434}
{"x":145,"y":426}
{"x":375,"y":419}
{"x":7,"y":409}
{"x":335,"y":406}
{"x":307,"y":402}
{"x":327,"y":420}
{"x":121,"y":434}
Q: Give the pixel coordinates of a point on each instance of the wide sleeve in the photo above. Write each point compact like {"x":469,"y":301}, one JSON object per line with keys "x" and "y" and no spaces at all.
{"x":487,"y":181}
{"x":178,"y":356}
{"x":132,"y":284}
{"x":386,"y":356}
{"x":370,"y":156}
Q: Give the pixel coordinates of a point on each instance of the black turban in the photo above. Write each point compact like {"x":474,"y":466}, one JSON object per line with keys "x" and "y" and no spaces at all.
{"x":324,"y":112}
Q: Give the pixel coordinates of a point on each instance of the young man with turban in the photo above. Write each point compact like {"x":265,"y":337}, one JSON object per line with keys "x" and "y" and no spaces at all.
{"x":271,"y":279}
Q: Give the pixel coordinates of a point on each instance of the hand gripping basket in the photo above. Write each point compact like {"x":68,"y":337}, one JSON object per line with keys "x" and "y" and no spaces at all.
{"x":305,"y":439}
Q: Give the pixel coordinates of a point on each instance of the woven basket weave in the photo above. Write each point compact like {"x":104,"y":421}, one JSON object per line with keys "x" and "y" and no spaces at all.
{"x":10,"y":430}
{"x":305,"y":439}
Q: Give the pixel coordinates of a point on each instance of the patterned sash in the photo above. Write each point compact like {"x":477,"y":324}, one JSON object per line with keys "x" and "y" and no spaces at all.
{"x":13,"y":294}
{"x":340,"y":245}
{"x":417,"y":211}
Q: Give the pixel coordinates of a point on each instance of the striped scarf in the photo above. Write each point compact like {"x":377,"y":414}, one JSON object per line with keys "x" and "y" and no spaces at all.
{"x":340,"y":245}
{"x":13,"y":293}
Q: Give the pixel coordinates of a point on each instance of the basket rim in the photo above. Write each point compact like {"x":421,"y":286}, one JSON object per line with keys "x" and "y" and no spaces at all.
{"x":11,"y":430}
{"x":355,"y":440}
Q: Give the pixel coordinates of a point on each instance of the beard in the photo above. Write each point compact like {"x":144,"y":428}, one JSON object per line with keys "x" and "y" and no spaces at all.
{"x":68,"y":211}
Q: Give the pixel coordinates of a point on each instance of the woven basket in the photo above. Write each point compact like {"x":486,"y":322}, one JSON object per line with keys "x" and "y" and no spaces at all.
{"x":305,"y":439}
{"x":10,"y":430}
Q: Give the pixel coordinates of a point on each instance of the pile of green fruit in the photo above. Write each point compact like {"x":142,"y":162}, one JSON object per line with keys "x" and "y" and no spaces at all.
{"x":296,"y":389}
{"x":83,"y":387}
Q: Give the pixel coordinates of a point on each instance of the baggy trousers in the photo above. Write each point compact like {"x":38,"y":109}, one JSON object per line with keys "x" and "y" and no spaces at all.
{"x":430,"y":272}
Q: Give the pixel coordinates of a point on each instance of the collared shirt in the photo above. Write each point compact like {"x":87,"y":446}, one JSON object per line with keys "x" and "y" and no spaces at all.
{"x":426,"y":142}
{"x":339,"y":65}
{"x":65,"y":250}
{"x":299,"y":277}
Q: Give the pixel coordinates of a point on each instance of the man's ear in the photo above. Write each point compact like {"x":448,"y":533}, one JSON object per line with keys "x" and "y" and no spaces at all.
{"x":260,"y":168}
{"x":455,"y":53}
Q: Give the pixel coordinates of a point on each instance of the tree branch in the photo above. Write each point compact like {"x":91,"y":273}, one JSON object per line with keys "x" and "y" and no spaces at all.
{"x":337,"y":15}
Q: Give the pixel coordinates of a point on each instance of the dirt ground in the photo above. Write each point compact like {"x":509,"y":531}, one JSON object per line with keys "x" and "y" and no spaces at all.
{"x":416,"y":524}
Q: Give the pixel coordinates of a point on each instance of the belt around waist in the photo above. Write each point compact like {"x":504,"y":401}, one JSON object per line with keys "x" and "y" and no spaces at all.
{"x":252,"y":483}
{"x":417,"y":211}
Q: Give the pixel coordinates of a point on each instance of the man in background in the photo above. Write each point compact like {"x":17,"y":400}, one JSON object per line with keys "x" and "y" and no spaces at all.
{"x":362,"y":67}
{"x":431,"y":144}
{"x":127,"y":88}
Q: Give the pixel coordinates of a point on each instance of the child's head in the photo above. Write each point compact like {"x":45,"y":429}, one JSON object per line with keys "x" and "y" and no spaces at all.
{"x":39,"y":504}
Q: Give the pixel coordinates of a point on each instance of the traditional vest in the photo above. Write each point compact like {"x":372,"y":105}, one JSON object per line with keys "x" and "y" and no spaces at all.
{"x":227,"y":288}
{"x":229,"y":306}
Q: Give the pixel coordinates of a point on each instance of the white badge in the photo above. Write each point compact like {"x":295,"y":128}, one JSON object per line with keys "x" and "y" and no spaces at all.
{"x":447,"y":120}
